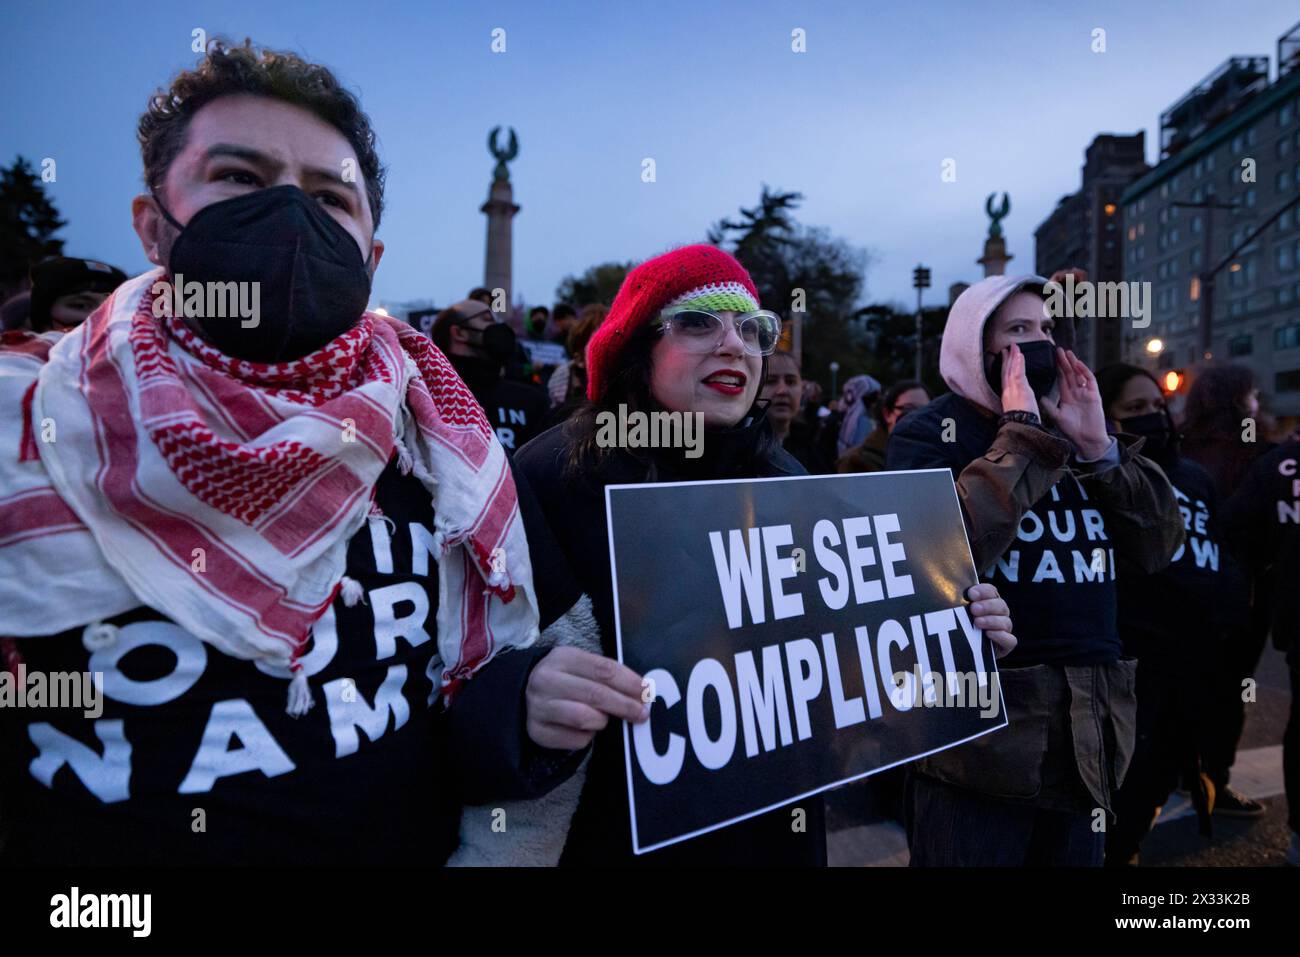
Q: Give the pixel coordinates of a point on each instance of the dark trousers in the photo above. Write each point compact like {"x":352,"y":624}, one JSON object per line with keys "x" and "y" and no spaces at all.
{"x":1291,"y":756}
{"x":1227,"y":710}
{"x":1171,"y":727}
{"x":952,"y":827}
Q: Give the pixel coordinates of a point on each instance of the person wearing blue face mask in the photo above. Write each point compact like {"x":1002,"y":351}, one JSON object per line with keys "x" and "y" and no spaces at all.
{"x":1052,"y":502}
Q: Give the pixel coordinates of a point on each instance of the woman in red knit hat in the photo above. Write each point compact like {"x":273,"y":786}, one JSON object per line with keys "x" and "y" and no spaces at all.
{"x":685,"y":334}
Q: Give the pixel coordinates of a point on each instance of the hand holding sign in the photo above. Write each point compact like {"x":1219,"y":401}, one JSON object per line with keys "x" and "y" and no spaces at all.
{"x":991,"y":615}
{"x":572,"y":694}
{"x":801,"y":632}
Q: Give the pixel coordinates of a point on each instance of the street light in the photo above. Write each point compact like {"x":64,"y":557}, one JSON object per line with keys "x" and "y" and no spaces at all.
{"x":920,"y":280}
{"x":1155,"y":346}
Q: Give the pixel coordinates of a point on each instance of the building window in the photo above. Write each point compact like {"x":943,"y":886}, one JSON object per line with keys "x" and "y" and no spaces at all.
{"x":1287,"y":381}
{"x":1286,"y":220}
{"x":1250,"y":197}
{"x":1196,"y":224}
{"x":1287,"y":337}
{"x":1194,"y":258}
{"x":1284,"y":295}
{"x":1282,"y":258}
{"x":1241,"y":345}
{"x":1252,"y":136}
{"x":1283,"y":180}
{"x":1209,"y":163}
{"x":1284,"y":115}
{"x":1283,"y":147}
{"x":1238,"y":142}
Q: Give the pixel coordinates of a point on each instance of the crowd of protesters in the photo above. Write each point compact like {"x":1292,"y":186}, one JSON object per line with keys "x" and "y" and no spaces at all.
{"x":263,"y":518}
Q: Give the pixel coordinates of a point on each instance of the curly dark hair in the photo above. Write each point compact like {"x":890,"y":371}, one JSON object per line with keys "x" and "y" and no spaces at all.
{"x":226,"y":70}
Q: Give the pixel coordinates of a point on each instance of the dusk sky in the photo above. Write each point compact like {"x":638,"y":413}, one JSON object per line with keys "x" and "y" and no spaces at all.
{"x":860,"y":123}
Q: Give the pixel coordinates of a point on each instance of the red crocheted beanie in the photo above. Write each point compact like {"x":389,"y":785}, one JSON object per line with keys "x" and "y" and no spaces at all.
{"x":702,"y":275}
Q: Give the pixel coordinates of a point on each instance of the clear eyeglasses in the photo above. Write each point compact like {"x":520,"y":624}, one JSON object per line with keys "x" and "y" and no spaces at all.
{"x":701,"y":331}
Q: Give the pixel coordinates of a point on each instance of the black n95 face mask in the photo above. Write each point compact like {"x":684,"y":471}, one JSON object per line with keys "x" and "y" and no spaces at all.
{"x":1040,"y":367}
{"x":313,"y":283}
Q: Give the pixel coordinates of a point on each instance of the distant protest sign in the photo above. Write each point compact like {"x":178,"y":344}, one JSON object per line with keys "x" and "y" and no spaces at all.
{"x":541,"y":353}
{"x":798,"y":633}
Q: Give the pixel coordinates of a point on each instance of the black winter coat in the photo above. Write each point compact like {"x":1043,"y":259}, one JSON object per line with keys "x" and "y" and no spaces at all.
{"x":601,"y":833}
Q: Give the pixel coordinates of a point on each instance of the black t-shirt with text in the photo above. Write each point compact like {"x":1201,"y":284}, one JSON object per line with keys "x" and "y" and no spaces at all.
{"x":194,"y":759}
{"x":516,"y":410}
{"x":1058,"y":577}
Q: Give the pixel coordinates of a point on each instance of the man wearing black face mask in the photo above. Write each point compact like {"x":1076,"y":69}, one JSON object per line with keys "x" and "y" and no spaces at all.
{"x":276,"y":525}
{"x":1051,"y":503}
{"x":1176,"y":622}
{"x":479,"y":347}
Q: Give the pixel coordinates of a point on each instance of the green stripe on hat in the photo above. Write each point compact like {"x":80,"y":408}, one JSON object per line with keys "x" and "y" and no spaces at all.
{"x":719,"y":301}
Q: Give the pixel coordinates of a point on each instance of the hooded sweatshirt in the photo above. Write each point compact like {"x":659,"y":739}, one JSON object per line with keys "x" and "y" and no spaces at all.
{"x":1047,"y":529}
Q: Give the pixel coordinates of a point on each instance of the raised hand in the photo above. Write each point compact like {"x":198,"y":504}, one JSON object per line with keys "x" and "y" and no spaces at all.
{"x":1078,"y":412}
{"x":1016,"y":393}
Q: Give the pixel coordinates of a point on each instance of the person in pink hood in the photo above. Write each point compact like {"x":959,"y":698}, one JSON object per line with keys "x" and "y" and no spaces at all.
{"x":1052,"y":503}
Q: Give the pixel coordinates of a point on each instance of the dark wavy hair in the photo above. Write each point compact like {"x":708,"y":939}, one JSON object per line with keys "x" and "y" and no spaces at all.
{"x":584,"y":457}
{"x":226,"y":70}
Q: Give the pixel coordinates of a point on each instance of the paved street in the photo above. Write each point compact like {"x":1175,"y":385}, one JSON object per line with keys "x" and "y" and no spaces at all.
{"x":1174,"y":841}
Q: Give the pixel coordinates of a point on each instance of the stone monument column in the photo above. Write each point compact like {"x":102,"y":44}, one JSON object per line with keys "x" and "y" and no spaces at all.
{"x":995,"y":256}
{"x":500,"y":209}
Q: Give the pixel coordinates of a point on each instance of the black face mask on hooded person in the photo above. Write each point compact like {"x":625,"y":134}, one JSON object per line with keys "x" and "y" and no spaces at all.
{"x":313,"y":284}
{"x":1161,"y":445}
{"x":1040,"y":367}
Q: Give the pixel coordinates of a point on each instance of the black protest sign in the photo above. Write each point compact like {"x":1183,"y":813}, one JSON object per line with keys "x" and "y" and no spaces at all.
{"x":799,"y":633}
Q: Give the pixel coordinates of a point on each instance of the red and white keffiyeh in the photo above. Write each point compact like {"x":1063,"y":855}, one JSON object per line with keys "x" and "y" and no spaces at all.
{"x":149,"y":469}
